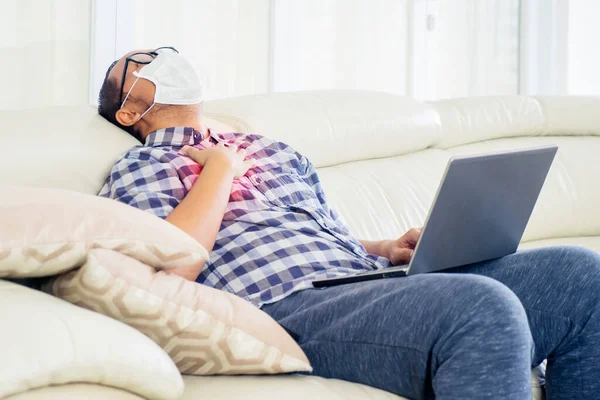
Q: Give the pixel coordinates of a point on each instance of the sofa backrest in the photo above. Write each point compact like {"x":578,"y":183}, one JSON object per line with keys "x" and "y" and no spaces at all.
{"x":380,"y":156}
{"x":61,"y":147}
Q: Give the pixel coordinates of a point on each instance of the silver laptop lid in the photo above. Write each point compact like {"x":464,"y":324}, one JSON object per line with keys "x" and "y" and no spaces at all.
{"x":481,"y":208}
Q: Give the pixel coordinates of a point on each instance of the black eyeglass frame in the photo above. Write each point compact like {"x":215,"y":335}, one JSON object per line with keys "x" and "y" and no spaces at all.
{"x":129,"y":59}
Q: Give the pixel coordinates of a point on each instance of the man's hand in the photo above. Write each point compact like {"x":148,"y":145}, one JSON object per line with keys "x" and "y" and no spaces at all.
{"x":200,"y":213}
{"x":400,"y":251}
{"x":230,"y":156}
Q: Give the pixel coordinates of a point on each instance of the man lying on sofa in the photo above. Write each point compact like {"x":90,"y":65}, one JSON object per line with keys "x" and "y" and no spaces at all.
{"x":259,"y":208}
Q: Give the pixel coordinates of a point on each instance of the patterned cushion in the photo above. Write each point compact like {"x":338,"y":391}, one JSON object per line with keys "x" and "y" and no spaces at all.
{"x":49,"y":231}
{"x":204,"y":330}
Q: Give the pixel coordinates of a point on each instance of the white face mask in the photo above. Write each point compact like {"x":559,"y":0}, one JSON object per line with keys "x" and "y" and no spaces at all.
{"x":176,"y":81}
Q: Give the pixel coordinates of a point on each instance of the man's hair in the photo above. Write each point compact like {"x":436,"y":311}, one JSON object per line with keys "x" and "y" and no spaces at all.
{"x":108,"y":102}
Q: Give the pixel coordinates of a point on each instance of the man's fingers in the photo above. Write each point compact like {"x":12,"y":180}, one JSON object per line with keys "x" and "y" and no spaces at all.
{"x":400,"y":256}
{"x":184,"y":150}
{"x":412,"y":236}
{"x":249,"y":163}
{"x":236,"y":156}
{"x":195,"y":154}
{"x":188,"y":151}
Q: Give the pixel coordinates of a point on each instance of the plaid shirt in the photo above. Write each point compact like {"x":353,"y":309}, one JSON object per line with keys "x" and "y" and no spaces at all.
{"x":278,"y":232}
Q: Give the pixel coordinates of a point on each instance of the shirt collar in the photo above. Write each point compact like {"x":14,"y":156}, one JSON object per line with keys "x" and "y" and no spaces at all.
{"x":175,"y":136}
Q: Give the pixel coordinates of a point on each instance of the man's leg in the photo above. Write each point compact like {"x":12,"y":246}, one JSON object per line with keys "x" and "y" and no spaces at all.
{"x":450,"y":335}
{"x":560,"y":290}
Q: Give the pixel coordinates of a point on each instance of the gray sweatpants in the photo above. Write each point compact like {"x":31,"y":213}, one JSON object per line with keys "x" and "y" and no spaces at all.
{"x":471,"y":333}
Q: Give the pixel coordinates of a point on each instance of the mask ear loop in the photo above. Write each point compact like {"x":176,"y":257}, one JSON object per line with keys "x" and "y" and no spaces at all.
{"x":128,"y":93}
{"x":145,"y":112}
{"x":126,"y":97}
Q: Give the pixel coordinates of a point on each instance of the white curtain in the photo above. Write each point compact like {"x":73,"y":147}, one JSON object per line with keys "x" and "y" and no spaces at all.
{"x":341,"y":44}
{"x":255,"y":46}
{"x":476,"y":48}
{"x":246,"y":47}
{"x":227,"y":40}
{"x":44,"y":53}
{"x":583,"y":76}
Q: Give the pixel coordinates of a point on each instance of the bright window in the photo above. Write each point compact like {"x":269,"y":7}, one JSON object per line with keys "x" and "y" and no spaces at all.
{"x":429,"y":49}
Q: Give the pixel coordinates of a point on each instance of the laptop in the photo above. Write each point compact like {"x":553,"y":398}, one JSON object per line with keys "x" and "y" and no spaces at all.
{"x":479,"y":213}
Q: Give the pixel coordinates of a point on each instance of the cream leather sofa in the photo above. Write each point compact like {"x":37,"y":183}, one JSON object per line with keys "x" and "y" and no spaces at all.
{"x":380,"y":157}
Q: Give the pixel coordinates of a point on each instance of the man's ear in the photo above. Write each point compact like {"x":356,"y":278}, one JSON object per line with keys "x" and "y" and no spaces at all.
{"x":127,"y":117}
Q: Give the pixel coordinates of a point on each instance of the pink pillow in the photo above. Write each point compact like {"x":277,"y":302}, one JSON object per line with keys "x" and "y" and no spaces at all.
{"x":48,"y":231}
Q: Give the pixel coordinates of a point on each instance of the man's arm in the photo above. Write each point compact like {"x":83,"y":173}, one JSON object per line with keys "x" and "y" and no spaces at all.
{"x":150,"y":185}
{"x":201,"y":211}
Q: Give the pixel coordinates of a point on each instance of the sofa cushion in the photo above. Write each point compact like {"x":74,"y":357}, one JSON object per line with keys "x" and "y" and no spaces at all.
{"x":290,"y":387}
{"x":571,"y":115}
{"x":205,"y":331}
{"x":475,"y":119}
{"x":66,"y":147}
{"x":73,"y":391}
{"x":381,"y":199}
{"x":332,"y":127}
{"x":589,"y":242}
{"x":60,"y":147}
{"x":48,"y":231}
{"x":47,"y":341}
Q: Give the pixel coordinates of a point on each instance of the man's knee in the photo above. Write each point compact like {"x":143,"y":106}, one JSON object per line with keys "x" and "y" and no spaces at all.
{"x":581,"y":256}
{"x":568,"y":256}
{"x":578,"y":266}
{"x":479,"y":293}
{"x":486,"y":310}
{"x":492,"y":330}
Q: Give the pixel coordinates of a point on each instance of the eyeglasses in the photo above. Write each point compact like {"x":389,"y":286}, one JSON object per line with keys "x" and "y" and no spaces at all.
{"x":141,"y":58}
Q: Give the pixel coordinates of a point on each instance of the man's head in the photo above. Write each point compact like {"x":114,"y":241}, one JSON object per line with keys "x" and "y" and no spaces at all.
{"x":151,"y":89}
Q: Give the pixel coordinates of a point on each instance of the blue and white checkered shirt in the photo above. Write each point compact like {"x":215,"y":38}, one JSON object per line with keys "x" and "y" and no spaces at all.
{"x":278,"y":232}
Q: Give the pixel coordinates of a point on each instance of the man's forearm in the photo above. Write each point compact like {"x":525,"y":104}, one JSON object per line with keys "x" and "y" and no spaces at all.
{"x":377,"y":247}
{"x":200,"y":213}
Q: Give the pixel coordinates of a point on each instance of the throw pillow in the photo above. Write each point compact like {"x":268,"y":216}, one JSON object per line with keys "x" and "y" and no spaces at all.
{"x":205,"y":331}
{"x":49,"y":231}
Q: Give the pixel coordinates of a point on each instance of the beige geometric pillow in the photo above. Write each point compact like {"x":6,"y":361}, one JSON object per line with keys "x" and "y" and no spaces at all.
{"x":204,"y":330}
{"x":49,"y":231}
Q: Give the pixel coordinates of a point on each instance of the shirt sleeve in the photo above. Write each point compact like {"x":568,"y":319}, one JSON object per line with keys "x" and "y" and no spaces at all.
{"x":145,"y":183}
